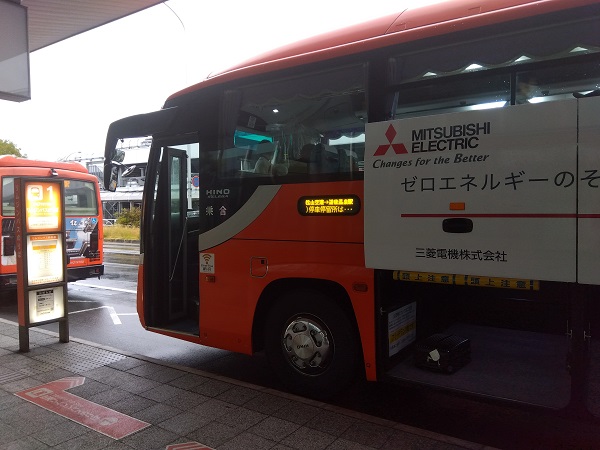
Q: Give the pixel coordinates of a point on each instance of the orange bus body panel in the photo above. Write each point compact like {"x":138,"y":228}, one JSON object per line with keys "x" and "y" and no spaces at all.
{"x":404,"y":27}
{"x":44,"y":166}
{"x":326,"y":248}
{"x":20,"y":167}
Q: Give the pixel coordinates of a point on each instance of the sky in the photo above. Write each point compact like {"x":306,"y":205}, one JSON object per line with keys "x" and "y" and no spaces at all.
{"x":130,"y":66}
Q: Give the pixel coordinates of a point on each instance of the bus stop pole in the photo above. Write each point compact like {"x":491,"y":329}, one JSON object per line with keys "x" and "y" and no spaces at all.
{"x":63,"y":330}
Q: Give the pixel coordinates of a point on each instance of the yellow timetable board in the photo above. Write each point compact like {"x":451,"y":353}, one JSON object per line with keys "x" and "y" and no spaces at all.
{"x":43,"y":205}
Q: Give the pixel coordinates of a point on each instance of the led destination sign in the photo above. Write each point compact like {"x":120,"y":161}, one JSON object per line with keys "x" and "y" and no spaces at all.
{"x":466,"y":280}
{"x":329,"y":205}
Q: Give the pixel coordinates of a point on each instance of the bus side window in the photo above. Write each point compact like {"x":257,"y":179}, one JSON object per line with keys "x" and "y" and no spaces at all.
{"x":8,"y":196}
{"x":560,"y":82}
{"x":494,"y":71}
{"x":452,"y":94}
{"x":310,"y":121}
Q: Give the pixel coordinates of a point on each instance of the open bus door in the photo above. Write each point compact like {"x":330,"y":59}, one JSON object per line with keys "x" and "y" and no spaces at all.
{"x":169,"y":230}
{"x":168,"y":296}
{"x":164,"y":228}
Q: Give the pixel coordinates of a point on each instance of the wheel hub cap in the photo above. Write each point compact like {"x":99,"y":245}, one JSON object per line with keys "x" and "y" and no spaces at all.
{"x":307,"y":345}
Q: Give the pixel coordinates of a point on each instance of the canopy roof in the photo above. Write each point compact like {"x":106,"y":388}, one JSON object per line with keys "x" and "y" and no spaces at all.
{"x":51,"y":21}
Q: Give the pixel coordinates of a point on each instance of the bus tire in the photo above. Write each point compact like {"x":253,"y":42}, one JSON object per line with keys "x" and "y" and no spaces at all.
{"x":311,"y":344}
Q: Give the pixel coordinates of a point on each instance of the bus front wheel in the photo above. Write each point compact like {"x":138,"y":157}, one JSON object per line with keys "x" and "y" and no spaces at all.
{"x":310,"y":343}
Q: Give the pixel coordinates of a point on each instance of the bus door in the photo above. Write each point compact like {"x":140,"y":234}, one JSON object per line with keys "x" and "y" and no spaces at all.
{"x":176,"y":165}
{"x":165,"y":255}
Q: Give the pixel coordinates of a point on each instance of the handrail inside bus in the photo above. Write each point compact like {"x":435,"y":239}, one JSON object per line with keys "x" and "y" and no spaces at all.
{"x":130,"y":127}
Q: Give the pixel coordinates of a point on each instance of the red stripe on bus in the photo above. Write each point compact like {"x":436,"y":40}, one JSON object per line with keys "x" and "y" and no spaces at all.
{"x":511,"y":216}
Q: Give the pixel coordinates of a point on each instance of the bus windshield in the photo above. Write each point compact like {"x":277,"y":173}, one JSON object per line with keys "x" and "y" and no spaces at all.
{"x":80,"y":198}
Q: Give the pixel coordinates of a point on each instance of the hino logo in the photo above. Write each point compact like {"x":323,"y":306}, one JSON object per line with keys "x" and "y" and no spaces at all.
{"x":301,"y":346}
{"x":217,"y":193}
{"x":211,"y":192}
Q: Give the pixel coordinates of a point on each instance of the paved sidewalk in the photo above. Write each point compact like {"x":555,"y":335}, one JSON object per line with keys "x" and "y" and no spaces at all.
{"x":166,"y":405}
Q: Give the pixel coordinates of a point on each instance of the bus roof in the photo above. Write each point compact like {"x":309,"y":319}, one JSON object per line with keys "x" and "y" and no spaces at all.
{"x":406,"y":26}
{"x":13,"y":161}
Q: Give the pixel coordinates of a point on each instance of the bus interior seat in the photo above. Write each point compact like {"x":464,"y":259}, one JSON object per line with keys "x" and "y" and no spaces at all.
{"x":262,"y":166}
{"x":246,"y":162}
{"x":265,"y":167}
{"x":306,"y":152}
{"x":300,"y":164}
{"x":348,"y":161}
{"x":279,"y":169}
{"x":325,"y":159}
{"x":265,"y":153}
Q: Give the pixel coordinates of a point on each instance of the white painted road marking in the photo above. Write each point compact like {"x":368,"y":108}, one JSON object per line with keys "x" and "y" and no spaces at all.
{"x":111,"y":310}
{"x":129,"y":291}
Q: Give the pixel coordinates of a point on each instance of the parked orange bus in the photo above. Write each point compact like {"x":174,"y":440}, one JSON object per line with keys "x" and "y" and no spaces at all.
{"x":83,"y":216}
{"x":411,"y":199}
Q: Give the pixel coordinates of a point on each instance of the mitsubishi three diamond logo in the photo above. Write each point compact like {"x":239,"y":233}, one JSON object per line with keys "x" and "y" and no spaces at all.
{"x":390,"y":134}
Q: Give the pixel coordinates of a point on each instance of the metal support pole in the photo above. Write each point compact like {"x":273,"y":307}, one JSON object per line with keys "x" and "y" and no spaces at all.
{"x":23,"y":339}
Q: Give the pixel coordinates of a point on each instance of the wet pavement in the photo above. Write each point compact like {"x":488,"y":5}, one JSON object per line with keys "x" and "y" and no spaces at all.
{"x":79,"y":395}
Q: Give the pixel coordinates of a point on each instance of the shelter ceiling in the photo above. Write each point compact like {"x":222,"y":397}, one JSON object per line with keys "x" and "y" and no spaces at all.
{"x":51,"y":21}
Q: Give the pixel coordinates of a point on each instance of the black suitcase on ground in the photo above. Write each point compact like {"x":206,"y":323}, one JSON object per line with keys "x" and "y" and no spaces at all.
{"x":443,"y":353}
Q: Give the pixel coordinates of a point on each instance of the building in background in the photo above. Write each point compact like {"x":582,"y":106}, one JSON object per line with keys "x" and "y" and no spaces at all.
{"x":131,"y":177}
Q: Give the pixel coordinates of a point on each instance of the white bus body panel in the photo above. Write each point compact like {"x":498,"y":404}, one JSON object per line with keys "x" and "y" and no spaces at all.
{"x":588,"y":256}
{"x":515,"y":169}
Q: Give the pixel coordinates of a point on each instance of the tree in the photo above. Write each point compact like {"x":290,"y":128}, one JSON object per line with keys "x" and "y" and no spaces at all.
{"x":130,"y":217}
{"x":8,"y":148}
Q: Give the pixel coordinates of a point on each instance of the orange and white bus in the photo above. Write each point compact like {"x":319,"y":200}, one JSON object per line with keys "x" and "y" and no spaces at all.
{"x":83,"y":216}
{"x":415,"y":195}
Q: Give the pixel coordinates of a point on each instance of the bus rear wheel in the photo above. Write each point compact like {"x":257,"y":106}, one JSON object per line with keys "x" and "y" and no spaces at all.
{"x":310,"y":343}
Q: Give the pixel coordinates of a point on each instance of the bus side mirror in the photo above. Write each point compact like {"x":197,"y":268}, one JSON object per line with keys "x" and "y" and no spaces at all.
{"x":111,"y":176}
{"x":119,"y":156}
{"x":114,"y":178}
{"x":111,"y":170}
